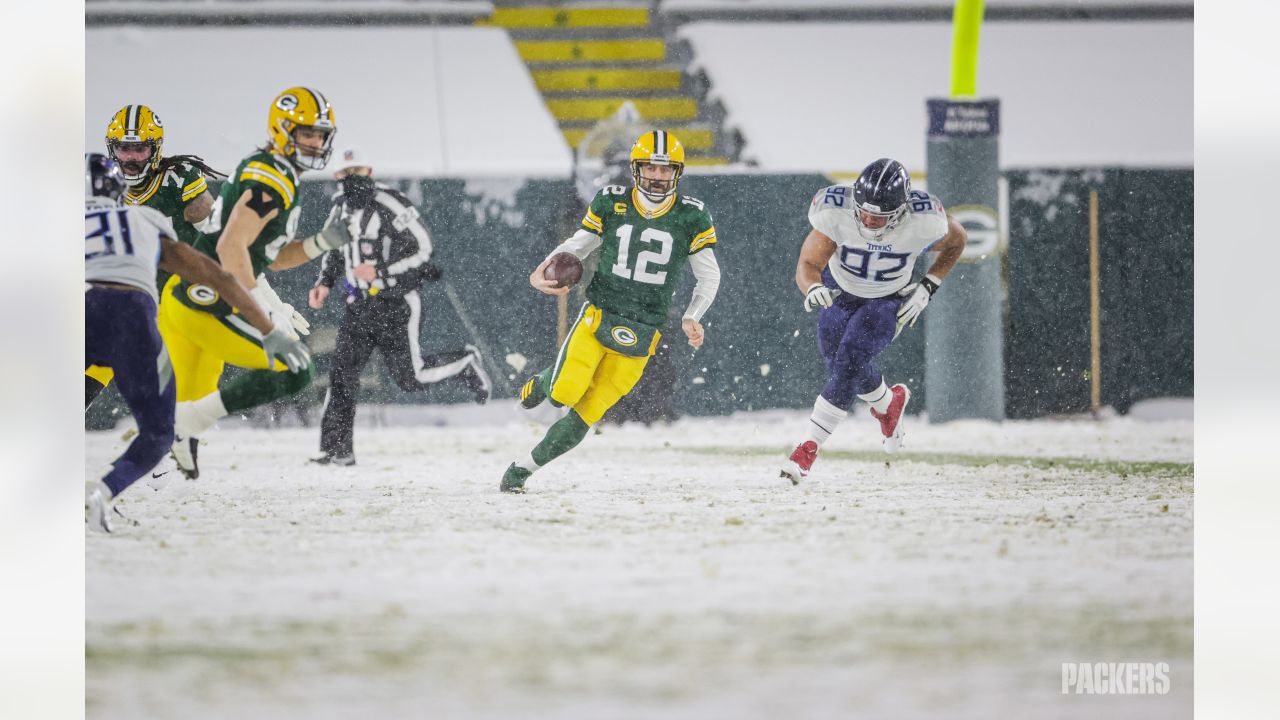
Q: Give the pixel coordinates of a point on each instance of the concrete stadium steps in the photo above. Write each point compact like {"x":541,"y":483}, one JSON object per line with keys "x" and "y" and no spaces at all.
{"x":668,"y":108}
{"x":587,"y":60}
{"x":574,"y":51}
{"x":695,"y":138}
{"x":601,"y":79}
{"x":541,"y":18}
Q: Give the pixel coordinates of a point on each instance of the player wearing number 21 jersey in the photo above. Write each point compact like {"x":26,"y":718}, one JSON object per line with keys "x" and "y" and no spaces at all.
{"x":123,"y":246}
{"x":855,"y":269}
{"x":646,"y":235}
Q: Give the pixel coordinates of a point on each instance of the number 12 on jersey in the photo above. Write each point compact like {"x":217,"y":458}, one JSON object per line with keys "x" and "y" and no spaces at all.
{"x":645,"y":258}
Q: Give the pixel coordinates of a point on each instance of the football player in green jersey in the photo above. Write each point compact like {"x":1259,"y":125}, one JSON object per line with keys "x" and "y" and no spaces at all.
{"x":253,"y":228}
{"x":646,"y":235}
{"x":174,"y":185}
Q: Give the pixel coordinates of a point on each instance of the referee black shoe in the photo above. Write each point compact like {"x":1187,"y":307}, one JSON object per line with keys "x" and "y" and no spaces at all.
{"x":338,"y":460}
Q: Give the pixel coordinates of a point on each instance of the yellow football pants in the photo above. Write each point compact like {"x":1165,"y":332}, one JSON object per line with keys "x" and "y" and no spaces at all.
{"x":200,"y":344}
{"x":589,"y":377}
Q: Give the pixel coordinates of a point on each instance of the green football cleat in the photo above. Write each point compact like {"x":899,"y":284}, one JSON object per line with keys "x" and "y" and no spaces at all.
{"x":513,"y":479}
{"x":532,"y":394}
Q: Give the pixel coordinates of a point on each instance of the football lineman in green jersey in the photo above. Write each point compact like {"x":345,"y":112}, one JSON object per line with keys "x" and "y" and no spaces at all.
{"x":174,"y":185}
{"x":646,"y":235}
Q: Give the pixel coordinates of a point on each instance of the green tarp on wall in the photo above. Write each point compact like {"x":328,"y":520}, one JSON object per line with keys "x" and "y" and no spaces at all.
{"x":761,"y":349}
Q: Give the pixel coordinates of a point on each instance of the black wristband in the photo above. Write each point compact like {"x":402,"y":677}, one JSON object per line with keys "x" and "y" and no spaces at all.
{"x":929,"y":285}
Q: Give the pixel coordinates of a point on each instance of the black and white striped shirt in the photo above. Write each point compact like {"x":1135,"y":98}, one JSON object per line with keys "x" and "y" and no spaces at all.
{"x":391,"y":237}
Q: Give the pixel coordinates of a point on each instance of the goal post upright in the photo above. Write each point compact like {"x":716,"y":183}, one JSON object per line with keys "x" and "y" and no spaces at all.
{"x":964,"y":325}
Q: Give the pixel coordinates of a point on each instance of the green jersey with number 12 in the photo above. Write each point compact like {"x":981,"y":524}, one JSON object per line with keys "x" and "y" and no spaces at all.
{"x":643,"y":253}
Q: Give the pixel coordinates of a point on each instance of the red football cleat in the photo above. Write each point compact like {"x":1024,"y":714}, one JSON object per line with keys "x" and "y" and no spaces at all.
{"x":891,"y":419}
{"x":801,"y":460}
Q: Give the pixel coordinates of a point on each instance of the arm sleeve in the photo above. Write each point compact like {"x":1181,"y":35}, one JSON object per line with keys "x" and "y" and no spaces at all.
{"x":580,"y":244}
{"x":707,"y":272}
{"x":260,"y":175}
{"x":411,"y":246}
{"x":825,"y":209}
{"x":193,"y":183}
{"x":157,"y":218}
{"x":705,"y":238}
{"x":938,"y":225}
{"x":592,"y":220}
{"x":330,"y":268}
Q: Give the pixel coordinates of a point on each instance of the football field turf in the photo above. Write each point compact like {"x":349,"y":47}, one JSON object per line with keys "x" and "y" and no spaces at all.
{"x":652,"y":572}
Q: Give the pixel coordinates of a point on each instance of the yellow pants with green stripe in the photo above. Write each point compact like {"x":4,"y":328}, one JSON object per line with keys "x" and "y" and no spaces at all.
{"x":589,"y":377}
{"x":200,"y":344}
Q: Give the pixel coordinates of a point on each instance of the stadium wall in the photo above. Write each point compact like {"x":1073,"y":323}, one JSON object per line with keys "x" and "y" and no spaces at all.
{"x":761,"y":348}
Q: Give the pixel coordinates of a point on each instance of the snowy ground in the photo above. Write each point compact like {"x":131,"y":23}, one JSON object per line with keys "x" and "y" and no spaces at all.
{"x":662,"y":572}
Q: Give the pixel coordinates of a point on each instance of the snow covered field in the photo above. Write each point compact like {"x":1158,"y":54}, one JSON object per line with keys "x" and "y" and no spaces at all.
{"x":653,"y":572}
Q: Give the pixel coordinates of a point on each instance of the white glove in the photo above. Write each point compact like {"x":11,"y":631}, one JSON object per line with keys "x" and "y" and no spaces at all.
{"x":283,"y":345}
{"x":819,"y":296}
{"x":300,"y":324}
{"x":917,"y":296}
{"x":267,"y":297}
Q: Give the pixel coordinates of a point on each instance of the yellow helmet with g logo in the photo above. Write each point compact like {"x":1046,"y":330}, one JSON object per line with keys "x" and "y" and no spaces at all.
{"x":657,"y":148}
{"x":300,"y":107}
{"x":133,"y":126}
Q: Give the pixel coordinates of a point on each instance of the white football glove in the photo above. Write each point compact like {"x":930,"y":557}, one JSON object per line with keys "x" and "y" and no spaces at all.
{"x":300,"y":324}
{"x":267,"y":297}
{"x":819,"y":296}
{"x":917,"y":296}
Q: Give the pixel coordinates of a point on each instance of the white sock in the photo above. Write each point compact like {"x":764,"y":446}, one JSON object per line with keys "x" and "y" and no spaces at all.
{"x":880,"y":398}
{"x":527,"y":463}
{"x":194,"y":417}
{"x":824,"y":420}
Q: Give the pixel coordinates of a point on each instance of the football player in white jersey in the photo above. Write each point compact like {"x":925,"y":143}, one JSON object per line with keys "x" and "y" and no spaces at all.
{"x":123,"y":245}
{"x":855,"y":269}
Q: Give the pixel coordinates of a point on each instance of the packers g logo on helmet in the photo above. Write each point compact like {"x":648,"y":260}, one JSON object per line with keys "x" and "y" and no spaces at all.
{"x":136,"y":124}
{"x":657,"y":148}
{"x":300,"y":107}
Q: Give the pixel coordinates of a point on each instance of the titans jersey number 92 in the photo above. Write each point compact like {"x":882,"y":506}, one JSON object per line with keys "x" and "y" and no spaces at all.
{"x":878,"y":268}
{"x":122,"y":244}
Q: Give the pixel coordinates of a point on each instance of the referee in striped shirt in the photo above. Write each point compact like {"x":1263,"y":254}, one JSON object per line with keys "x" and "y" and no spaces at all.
{"x":379,"y":275}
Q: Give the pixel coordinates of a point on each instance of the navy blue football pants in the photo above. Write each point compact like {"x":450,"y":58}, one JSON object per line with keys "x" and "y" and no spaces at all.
{"x":851,"y":333}
{"x":120,"y":333}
